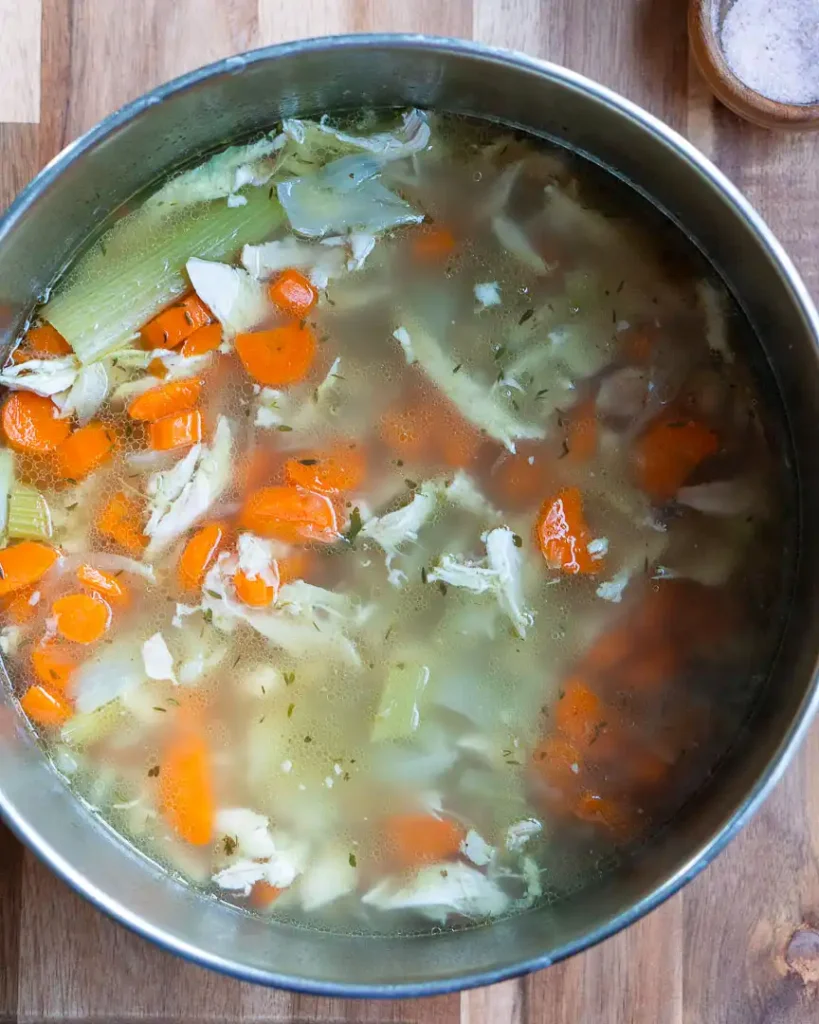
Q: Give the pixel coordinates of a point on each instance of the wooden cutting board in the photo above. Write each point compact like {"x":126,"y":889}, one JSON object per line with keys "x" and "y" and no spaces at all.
{"x":739,"y":944}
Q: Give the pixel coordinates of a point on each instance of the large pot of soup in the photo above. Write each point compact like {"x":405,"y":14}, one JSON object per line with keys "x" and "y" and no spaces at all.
{"x":402,"y":581}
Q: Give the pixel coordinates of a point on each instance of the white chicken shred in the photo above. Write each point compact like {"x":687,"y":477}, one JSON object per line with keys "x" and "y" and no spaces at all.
{"x":440,"y":890}
{"x":157,"y":659}
{"x":236,"y":299}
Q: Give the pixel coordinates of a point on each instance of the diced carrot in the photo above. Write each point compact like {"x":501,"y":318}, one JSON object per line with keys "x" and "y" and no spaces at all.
{"x":610,"y":650}
{"x":44,"y":341}
{"x":280,"y":356}
{"x":82,"y":618}
{"x":643,"y":768}
{"x":205,"y":340}
{"x":121,"y":520}
{"x":105,"y":584}
{"x":580,"y":714}
{"x":294,"y":566}
{"x":19,"y":606}
{"x":254,"y":592}
{"x":24,"y":563}
{"x":405,"y":433}
{"x":263,"y":894}
{"x":53,"y":665}
{"x":521,"y":479}
{"x":650,"y":668}
{"x":293,"y":293}
{"x":458,"y":442}
{"x":199,"y":553}
{"x":176,"y":431}
{"x":558,"y":761}
{"x":176,"y":323}
{"x":157,"y":368}
{"x":432,"y":243}
{"x":581,"y":433}
{"x":637,"y":345}
{"x":45,"y":708}
{"x":563,"y":535}
{"x":333,"y":472}
{"x":668,"y":452}
{"x":290,"y":514}
{"x":186,"y":787}
{"x":32,"y":423}
{"x":169,"y":399}
{"x":600,"y":811}
{"x":415,"y":839}
{"x":84,"y":451}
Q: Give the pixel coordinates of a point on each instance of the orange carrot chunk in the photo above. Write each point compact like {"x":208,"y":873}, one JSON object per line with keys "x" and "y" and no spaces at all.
{"x":580,"y":714}
{"x":278,"y":357}
{"x":82,"y":618}
{"x":176,"y":323}
{"x":103,"y":583}
{"x":669,"y":452}
{"x":177,"y":396}
{"x":205,"y":340}
{"x":121,"y":520}
{"x":405,"y":432}
{"x":563,"y":535}
{"x":581,"y":434}
{"x":293,"y":293}
{"x":334,"y":472}
{"x":23,"y":564}
{"x":415,"y":839}
{"x":290,"y":514}
{"x":433,"y":244}
{"x":157,"y":368}
{"x":186,"y":787}
{"x":45,"y":708}
{"x":599,"y":811}
{"x":199,"y":553}
{"x":254,"y":592}
{"x":41,"y":342}
{"x":263,"y":894}
{"x":53,"y":664}
{"x":31,"y":423}
{"x":295,"y":566}
{"x":84,"y":451}
{"x":18,"y":607}
{"x":176,"y":431}
{"x":558,"y":761}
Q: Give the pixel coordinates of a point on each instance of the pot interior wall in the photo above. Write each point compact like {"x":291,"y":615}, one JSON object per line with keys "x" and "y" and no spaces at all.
{"x":52,"y":222}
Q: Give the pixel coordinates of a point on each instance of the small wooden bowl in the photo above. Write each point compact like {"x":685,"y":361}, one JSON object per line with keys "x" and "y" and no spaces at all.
{"x":703,"y":18}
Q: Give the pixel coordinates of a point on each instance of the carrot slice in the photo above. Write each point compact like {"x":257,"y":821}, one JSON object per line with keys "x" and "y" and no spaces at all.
{"x":295,"y":566}
{"x":103,"y":583}
{"x":17,"y":607}
{"x":44,"y":341}
{"x":23,"y":564}
{"x":669,"y":452}
{"x":580,"y":714}
{"x":82,"y":618}
{"x":31,"y":423}
{"x":599,"y":811}
{"x":84,"y":451}
{"x":169,"y":399}
{"x":45,"y":708}
{"x":202,"y":341}
{"x":563,"y":535}
{"x":176,"y":431}
{"x":263,"y":894}
{"x":558,"y":761}
{"x":121,"y":520}
{"x":280,"y":356}
{"x":157,"y":368}
{"x":256,"y":592}
{"x":415,"y":839}
{"x":405,"y":433}
{"x":341,"y":469}
{"x":186,"y":787}
{"x":53,"y":664}
{"x":433,"y":244}
{"x":176,"y":323}
{"x":581,"y":433}
{"x":290,"y":514}
{"x":293,"y":293}
{"x":199,"y":553}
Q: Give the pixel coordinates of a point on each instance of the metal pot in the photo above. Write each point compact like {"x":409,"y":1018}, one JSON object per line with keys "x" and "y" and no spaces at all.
{"x":176,"y":123}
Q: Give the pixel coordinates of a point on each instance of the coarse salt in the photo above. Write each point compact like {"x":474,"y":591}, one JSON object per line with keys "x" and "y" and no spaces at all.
{"x":773,"y":48}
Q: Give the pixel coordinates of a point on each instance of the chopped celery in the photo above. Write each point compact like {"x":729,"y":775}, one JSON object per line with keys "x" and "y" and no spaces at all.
{"x":85,"y":728}
{"x":6,"y":482}
{"x":137,"y":267}
{"x":29,"y":516}
{"x":398,"y":714}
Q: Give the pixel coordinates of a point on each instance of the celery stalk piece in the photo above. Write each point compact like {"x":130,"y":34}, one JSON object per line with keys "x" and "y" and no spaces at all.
{"x":137,"y":267}
{"x":6,"y":482}
{"x":29,"y":514}
{"x":398,"y":714}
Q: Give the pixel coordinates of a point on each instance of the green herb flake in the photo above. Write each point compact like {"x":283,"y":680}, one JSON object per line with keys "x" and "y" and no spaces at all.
{"x":290,"y":709}
{"x":353,"y":861}
{"x":289,"y":678}
{"x":355,"y":527}
{"x":517,"y":540}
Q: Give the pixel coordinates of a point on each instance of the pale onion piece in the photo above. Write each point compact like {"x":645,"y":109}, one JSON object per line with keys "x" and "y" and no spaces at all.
{"x":506,"y":559}
{"x":402,"y":336}
{"x":520,"y":832}
{"x":361,"y":245}
{"x":10,"y":638}
{"x":111,"y":673}
{"x":487,"y":294}
{"x":475,"y":848}
{"x":712,"y":304}
{"x":623,"y":393}
{"x":237,"y":300}
{"x":157,"y":659}
{"x":439,"y":890}
{"x":45,"y":377}
{"x":613,"y":589}
{"x":314,"y":211}
{"x":85,"y":397}
{"x":598,"y":548}
{"x":234,"y":201}
{"x":411,"y":137}
{"x":262,"y":680}
{"x":721,"y":497}
{"x":515,"y":242}
{"x":329,"y":877}
{"x":321,"y":262}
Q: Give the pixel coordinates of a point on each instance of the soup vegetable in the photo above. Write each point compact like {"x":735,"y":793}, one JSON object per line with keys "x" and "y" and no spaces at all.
{"x":391,"y":532}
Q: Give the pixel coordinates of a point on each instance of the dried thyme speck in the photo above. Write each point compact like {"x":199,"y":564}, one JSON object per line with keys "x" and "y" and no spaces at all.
{"x":353,"y":861}
{"x":412,"y":484}
{"x":283,"y":427}
{"x":289,"y":678}
{"x":188,"y":319}
{"x":308,"y":462}
{"x":290,"y":709}
{"x":442,"y":587}
{"x":308,"y":739}
{"x":163,"y":710}
{"x":517,"y":540}
{"x":208,"y":615}
{"x":423,"y":574}
{"x":355,"y":527}
{"x":457,"y":368}
{"x":230,"y":844}
{"x":153,"y":772}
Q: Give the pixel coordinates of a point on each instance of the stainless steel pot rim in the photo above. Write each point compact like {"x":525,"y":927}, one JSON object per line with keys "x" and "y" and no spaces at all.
{"x":767,"y":778}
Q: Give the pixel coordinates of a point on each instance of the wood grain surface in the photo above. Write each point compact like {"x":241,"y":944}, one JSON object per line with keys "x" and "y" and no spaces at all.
{"x":741,"y":944}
